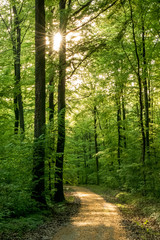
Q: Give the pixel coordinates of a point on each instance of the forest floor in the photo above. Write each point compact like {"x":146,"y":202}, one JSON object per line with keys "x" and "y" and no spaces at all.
{"x":87,"y":214}
{"x":44,"y":224}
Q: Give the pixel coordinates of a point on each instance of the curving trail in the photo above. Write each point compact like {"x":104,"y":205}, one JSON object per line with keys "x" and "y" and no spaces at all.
{"x":96,"y":220}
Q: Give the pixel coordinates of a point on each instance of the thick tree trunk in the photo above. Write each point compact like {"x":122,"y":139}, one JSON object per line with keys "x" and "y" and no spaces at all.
{"x":96,"y":143}
{"x":39,"y":128}
{"x":59,"y":194}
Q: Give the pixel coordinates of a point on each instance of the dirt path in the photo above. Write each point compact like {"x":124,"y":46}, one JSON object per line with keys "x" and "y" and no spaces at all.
{"x":96,"y":220}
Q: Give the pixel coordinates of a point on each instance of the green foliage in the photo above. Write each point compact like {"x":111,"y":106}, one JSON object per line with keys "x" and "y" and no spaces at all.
{"x":101,"y":72}
{"x":16,"y":167}
{"x":22,"y":224}
{"x":123,"y":197}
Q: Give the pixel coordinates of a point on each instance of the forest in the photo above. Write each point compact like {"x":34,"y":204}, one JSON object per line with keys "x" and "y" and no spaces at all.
{"x":79,"y":90}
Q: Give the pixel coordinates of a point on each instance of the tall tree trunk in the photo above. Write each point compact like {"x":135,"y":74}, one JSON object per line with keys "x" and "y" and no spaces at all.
{"x":90,"y":146}
{"x":96,"y":143}
{"x":16,"y":112}
{"x":119,"y":130}
{"x":51,"y":114}
{"x":38,"y":192}
{"x":51,"y":100}
{"x":18,"y":104}
{"x":59,"y":194}
{"x":52,"y":137}
{"x":140,"y":98}
{"x":145,"y":85}
{"x":85,"y":163}
{"x":124,"y":118}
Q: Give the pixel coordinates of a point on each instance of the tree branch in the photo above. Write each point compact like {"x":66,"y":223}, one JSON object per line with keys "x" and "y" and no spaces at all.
{"x":7,"y":27}
{"x":21,"y":7}
{"x":105,"y":9}
{"x":5,"y":23}
{"x":134,"y":39}
{"x":128,"y":59}
{"x":25,"y":33}
{"x":88,"y":55}
{"x":82,"y":7}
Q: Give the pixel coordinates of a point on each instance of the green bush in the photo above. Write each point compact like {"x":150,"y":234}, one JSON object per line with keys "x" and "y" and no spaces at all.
{"x":123,"y":197}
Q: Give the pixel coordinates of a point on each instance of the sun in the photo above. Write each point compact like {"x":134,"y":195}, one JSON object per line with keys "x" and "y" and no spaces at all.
{"x":57,"y":39}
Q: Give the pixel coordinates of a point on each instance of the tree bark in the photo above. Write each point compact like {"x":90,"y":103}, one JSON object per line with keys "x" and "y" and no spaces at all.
{"x":51,"y":160}
{"x":18,"y":103}
{"x":52,"y":137}
{"x":96,"y":143}
{"x":59,"y":194}
{"x":140,"y":98}
{"x":38,"y":192}
{"x":145,"y":85}
{"x":124,"y":118}
{"x":85,"y":161}
{"x":119,"y":130}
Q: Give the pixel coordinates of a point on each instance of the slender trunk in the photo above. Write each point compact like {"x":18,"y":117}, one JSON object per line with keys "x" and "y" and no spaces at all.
{"x":151,"y":112}
{"x":19,"y":96}
{"x":51,"y":160}
{"x":78,"y":171}
{"x":90,"y":145}
{"x":38,"y":192}
{"x":140,"y":86}
{"x":59,"y":194}
{"x":102,"y":132}
{"x":145,"y":85}
{"x":18,"y":103}
{"x":140,"y":96}
{"x":96,"y":143}
{"x":124,"y":118}
{"x":51,"y":80}
{"x":119,"y":130}
{"x":85,"y":164}
{"x":16,"y":112}
{"x":51,"y":100}
{"x":52,"y":137}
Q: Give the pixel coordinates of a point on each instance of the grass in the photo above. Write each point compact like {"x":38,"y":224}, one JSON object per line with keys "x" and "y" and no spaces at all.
{"x":18,"y":226}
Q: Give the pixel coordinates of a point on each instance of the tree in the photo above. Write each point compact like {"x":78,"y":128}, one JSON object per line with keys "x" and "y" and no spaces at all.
{"x":18,"y":104}
{"x":59,"y":195}
{"x":68,"y":14}
{"x":14,"y":31}
{"x":38,"y":192}
{"x":95,"y":142}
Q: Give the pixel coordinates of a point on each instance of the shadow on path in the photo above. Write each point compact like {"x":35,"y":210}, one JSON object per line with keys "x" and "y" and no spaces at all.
{"x":96,"y":220}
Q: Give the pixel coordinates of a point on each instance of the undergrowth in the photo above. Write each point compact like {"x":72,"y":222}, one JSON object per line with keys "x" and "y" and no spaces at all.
{"x":15,"y":227}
